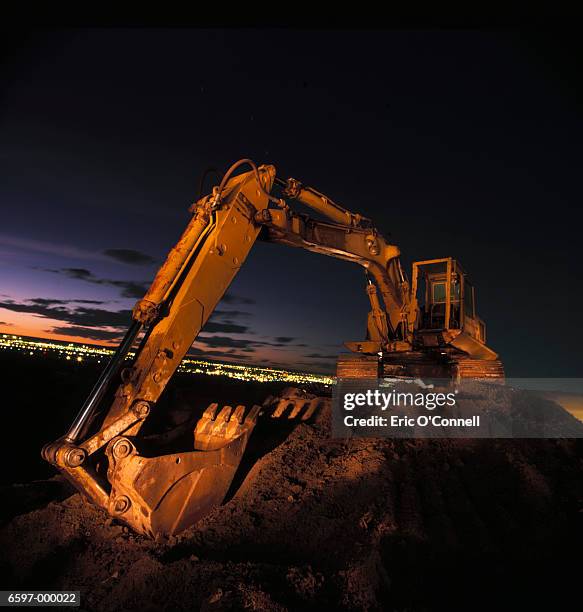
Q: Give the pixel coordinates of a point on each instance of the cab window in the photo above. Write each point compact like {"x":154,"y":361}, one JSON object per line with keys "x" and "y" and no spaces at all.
{"x":438,"y":293}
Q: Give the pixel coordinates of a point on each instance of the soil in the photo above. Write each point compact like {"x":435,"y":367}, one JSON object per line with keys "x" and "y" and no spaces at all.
{"x":315,"y":523}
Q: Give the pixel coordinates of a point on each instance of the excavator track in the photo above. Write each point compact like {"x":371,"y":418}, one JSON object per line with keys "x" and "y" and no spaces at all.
{"x":358,"y":365}
{"x":478,"y":369}
{"x":436,"y":364}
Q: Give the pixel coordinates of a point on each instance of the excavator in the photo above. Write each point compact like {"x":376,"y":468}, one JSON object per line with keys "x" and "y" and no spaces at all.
{"x":424,"y":327}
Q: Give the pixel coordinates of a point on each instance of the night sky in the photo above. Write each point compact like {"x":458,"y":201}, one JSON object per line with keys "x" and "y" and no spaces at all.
{"x":456,"y":143}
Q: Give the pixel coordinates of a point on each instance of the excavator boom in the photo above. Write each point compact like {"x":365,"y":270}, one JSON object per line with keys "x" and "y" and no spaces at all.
{"x":164,"y":494}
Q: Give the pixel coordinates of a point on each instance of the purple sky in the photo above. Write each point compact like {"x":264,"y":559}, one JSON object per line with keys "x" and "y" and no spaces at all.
{"x":463,"y":144}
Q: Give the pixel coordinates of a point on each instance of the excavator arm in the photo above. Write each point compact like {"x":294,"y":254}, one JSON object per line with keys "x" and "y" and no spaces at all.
{"x":361,"y":245}
{"x":167,"y":493}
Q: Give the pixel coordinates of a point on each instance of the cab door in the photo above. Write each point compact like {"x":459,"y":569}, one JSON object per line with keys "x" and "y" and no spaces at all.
{"x":438,"y":296}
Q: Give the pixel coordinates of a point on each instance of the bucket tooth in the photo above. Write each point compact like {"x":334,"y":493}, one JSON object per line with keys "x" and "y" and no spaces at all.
{"x":208,"y":431}
{"x":297,"y":406}
{"x":282,"y":406}
{"x":221,"y":426}
{"x":238,"y":414}
{"x":234,"y":427}
{"x":225,"y":414}
{"x":205,"y":425}
{"x":312,"y":407}
{"x":251,"y":418}
{"x":210,"y":412}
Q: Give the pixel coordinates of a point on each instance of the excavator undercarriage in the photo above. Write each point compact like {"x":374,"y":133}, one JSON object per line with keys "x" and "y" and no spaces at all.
{"x":161,"y":483}
{"x":420,"y":364}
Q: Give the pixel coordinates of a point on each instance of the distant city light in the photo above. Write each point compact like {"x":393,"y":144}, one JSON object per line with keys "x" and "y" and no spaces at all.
{"x":97,"y":354}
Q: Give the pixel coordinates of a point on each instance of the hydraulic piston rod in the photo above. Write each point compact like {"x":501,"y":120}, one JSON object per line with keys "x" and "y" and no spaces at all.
{"x":102,"y":384}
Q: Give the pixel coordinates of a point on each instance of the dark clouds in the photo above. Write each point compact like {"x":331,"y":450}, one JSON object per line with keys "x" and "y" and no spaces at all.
{"x":87,"y":332}
{"x":228,"y":342}
{"x":223,"y":321}
{"x":129,"y":289}
{"x":67,"y":312}
{"x":231,"y":298}
{"x":98,"y":317}
{"x":247,"y":345}
{"x":219,"y":312}
{"x":129,"y":256}
{"x":48,"y":302}
{"x":81,"y":318}
{"x":229,"y":333}
{"x":213,"y":327}
{"x":80,"y":273}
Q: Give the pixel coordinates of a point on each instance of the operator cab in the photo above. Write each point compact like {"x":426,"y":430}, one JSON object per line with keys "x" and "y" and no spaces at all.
{"x":446,"y":298}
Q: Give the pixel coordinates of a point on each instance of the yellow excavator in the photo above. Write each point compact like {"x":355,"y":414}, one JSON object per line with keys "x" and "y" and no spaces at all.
{"x":426,"y":327}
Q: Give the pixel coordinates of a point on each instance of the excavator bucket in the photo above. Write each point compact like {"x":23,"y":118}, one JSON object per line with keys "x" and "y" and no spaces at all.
{"x":166,"y":494}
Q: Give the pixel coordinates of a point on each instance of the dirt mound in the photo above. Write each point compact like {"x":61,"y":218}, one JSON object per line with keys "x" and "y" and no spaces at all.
{"x":319,"y":523}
